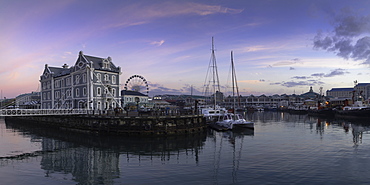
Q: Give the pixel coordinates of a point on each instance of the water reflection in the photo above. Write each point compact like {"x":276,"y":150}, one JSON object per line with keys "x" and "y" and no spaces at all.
{"x":283,"y":149}
{"x":95,"y":160}
{"x":358,"y":127}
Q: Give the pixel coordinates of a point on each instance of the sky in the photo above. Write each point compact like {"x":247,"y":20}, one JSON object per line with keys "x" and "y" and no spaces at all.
{"x":279,"y":46}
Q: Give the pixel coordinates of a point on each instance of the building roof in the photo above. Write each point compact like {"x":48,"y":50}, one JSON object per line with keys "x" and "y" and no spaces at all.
{"x":132,"y":93}
{"x":103,"y":64}
{"x":362,"y":84}
{"x":310,"y":94}
{"x":340,"y":89}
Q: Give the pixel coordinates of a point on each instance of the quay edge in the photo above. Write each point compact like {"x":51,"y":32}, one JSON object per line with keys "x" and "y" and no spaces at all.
{"x":114,"y":125}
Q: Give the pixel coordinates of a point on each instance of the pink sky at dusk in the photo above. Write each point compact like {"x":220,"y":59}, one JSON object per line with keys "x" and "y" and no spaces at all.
{"x":279,"y":46}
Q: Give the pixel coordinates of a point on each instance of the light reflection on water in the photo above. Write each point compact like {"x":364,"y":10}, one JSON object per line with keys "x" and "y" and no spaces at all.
{"x":283,"y":149}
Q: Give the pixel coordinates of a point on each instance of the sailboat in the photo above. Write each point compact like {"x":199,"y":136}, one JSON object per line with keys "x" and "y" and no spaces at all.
{"x":212,"y":110}
{"x":234,"y":120}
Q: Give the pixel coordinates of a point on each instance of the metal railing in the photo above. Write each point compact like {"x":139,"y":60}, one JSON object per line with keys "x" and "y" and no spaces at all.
{"x":35,"y":112}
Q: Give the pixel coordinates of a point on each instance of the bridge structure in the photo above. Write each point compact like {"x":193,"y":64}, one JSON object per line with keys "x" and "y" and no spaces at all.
{"x":41,"y":112}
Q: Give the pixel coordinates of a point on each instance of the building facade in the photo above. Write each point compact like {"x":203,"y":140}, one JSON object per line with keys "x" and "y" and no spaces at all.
{"x":92,"y":83}
{"x":339,"y":93}
{"x":28,"y":101}
{"x":362,"y":91}
{"x":134,"y":100}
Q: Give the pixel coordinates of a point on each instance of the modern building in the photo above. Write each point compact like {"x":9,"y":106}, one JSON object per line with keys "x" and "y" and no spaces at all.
{"x":92,"y":83}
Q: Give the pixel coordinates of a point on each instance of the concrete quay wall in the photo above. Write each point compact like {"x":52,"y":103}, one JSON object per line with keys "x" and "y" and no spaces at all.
{"x":148,"y":125}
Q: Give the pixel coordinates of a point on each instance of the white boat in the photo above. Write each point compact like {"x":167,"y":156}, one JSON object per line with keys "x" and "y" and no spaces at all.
{"x":239,"y":121}
{"x":226,"y":121}
{"x":232,"y":120}
{"x":212,"y":113}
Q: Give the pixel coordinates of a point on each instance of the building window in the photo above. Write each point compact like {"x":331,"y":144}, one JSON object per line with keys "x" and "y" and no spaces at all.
{"x":77,"y":79}
{"x":84,"y":78}
{"x":68,"y":81}
{"x":114,"y":92}
{"x":98,"y":91}
{"x":113,"y":79}
{"x":48,"y":95}
{"x":84,"y":91}
{"x":68,"y":93}
{"x":48,"y":85}
{"x":57,"y":83}
{"x":98,"y":76}
{"x":99,"y":105}
{"x":77,"y":92}
{"x":106,"y":78}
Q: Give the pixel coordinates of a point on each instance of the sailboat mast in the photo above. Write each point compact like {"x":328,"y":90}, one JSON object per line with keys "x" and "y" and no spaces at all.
{"x":234,"y":80}
{"x":215,"y":79}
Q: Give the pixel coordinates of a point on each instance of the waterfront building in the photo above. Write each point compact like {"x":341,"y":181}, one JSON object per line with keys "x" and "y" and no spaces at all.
{"x":362,"y":91}
{"x":340,"y":93}
{"x":134,"y":100}
{"x":28,"y":101}
{"x":92,"y":83}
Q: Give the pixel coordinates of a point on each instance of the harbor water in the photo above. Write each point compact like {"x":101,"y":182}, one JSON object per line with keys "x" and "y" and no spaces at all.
{"x":282,"y":149}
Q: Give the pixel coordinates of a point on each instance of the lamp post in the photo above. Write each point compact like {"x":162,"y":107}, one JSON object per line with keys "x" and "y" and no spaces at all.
{"x":137,"y":100}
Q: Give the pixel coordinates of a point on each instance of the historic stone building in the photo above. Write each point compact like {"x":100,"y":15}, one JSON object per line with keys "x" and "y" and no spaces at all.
{"x":92,"y":83}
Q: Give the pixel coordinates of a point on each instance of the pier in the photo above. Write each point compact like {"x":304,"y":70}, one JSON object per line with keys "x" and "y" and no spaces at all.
{"x":110,"y":123}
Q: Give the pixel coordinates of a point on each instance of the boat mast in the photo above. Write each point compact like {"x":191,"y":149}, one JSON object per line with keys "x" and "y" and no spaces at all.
{"x":216,"y":81}
{"x":213,"y":79}
{"x":234,"y":81}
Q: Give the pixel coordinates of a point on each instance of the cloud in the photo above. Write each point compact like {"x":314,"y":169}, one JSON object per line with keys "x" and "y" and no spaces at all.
{"x":347,"y":39}
{"x":157,"y":43}
{"x":161,"y":10}
{"x":299,"y":83}
{"x":158,"y":89}
{"x":318,"y":75}
{"x":288,"y":62}
{"x":335,"y":72}
{"x":300,"y":77}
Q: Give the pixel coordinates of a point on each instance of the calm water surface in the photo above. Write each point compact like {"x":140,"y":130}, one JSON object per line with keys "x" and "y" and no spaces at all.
{"x":283,"y":149}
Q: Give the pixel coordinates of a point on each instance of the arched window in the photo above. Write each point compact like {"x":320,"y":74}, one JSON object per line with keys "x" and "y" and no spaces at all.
{"x":99,"y":105}
{"x":77,"y":81}
{"x":84,"y":78}
{"x":106,"y":77}
{"x":113,"y":79}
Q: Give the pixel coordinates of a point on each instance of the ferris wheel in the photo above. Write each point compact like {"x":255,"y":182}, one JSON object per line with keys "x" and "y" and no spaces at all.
{"x":137,"y":83}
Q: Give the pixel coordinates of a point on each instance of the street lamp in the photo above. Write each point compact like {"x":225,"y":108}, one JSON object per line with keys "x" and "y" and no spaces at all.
{"x":137,"y":100}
